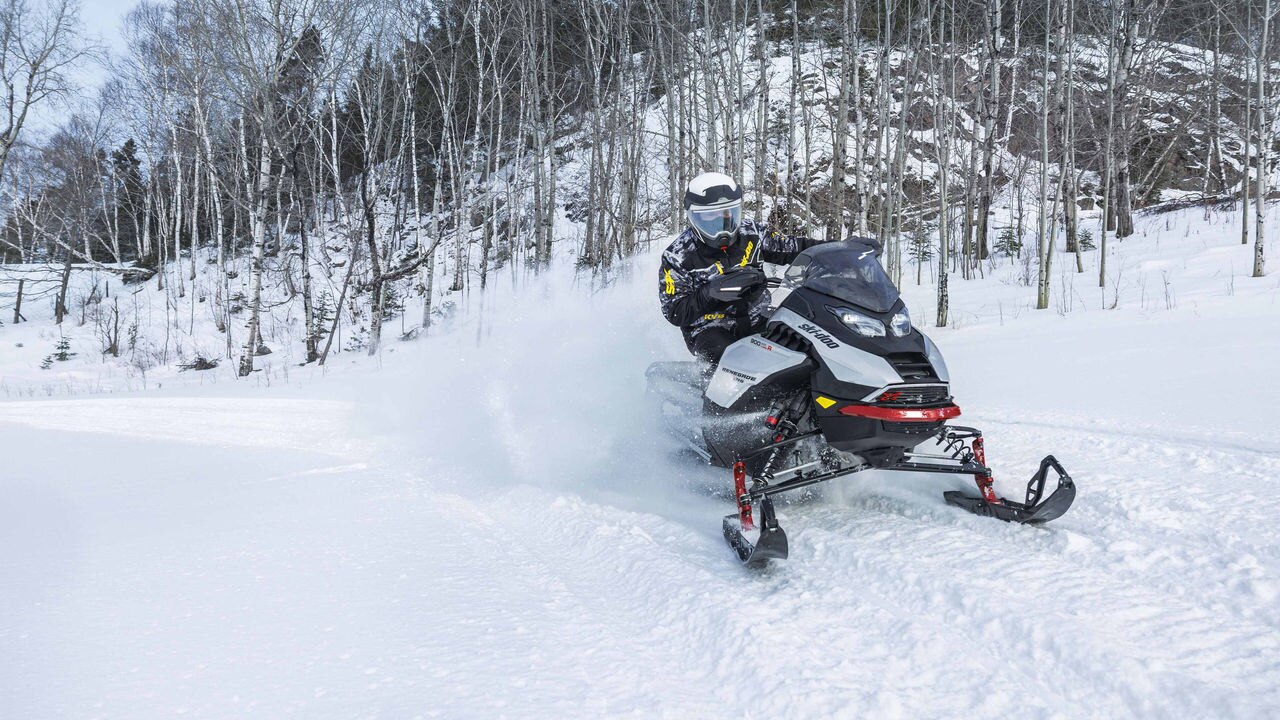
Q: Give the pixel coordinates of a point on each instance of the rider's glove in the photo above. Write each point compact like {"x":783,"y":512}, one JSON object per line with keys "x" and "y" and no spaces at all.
{"x":735,"y":284}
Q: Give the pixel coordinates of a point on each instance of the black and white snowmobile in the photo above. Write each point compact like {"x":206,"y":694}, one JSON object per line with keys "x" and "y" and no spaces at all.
{"x":839,"y":382}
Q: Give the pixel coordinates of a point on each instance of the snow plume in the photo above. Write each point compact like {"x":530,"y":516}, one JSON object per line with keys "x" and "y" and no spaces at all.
{"x":539,"y":385}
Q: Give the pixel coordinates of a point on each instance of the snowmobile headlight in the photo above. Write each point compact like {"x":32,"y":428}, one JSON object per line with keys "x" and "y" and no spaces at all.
{"x":862,"y":324}
{"x":900,"y":325}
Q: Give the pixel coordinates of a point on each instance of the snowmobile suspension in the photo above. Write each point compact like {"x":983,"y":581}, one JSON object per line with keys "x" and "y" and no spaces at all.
{"x":962,"y":445}
{"x":740,"y":492}
{"x":961,"y":452}
{"x":986,"y":485}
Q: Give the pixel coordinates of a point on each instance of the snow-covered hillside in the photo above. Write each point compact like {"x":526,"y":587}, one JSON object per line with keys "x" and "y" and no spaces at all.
{"x":201,"y":310}
{"x":485,"y":523}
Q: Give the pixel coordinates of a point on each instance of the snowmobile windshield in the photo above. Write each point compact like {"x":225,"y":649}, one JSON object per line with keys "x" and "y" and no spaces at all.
{"x":849,"y":272}
{"x":710,"y":222}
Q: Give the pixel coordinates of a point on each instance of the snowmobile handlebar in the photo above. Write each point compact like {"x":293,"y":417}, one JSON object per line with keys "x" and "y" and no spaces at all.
{"x":736,"y":284}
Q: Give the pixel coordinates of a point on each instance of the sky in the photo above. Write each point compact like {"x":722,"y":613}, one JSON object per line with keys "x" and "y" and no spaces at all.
{"x":101,"y":20}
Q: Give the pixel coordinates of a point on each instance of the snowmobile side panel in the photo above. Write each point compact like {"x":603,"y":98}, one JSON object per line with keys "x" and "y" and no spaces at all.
{"x":746,"y":364}
{"x":935,"y":359}
{"x":846,"y":363}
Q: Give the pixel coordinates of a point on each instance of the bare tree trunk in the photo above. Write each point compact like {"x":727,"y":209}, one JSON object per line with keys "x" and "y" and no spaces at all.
{"x":1044,"y":232}
{"x":1247,"y":143}
{"x":258,"y":217}
{"x":944,"y":122}
{"x":60,"y":303}
{"x":1108,"y":173}
{"x":859,"y":150}
{"x":176,"y":201}
{"x":17,"y":303}
{"x":222,"y":291}
{"x":1066,"y":101}
{"x":762,"y":109}
{"x":337,"y":314}
{"x":1264,"y":144}
{"x":195,"y":218}
{"x":377,"y":290}
{"x":990,"y":108}
{"x":840,"y":126}
{"x":1128,"y":110}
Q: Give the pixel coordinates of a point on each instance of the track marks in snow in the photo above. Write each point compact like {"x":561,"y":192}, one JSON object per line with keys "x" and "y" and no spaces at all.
{"x":1141,"y":602}
{"x":1151,"y":604}
{"x":1189,"y":520}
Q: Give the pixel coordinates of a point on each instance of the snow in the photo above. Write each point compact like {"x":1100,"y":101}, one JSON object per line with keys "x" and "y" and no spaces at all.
{"x":486,"y":523}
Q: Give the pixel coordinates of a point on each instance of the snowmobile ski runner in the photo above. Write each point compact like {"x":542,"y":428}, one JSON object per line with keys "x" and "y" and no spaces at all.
{"x":838,"y":382}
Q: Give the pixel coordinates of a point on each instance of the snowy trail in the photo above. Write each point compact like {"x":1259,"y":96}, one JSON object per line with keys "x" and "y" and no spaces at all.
{"x":384,"y":588}
{"x":312,"y":425}
{"x":862,"y":610}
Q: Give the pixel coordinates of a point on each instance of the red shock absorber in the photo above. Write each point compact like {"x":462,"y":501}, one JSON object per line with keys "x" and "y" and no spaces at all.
{"x":740,"y":492}
{"x":986,"y":485}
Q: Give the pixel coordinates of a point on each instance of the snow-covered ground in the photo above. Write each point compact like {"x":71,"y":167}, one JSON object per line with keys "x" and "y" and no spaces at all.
{"x":487,"y":524}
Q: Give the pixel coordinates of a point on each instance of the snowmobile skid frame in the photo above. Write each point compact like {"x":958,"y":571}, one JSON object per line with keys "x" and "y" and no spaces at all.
{"x":962,"y":453}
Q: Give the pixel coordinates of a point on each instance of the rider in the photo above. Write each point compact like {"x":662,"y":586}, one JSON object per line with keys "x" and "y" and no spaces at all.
{"x":712,"y":281}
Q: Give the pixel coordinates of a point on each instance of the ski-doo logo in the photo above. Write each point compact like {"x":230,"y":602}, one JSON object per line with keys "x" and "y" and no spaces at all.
{"x":820,"y":336}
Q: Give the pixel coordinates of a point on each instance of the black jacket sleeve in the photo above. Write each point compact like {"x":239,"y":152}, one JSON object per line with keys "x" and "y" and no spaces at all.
{"x":781,"y":249}
{"x":682,"y":302}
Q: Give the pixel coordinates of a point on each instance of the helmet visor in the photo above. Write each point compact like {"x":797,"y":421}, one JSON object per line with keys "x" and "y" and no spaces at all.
{"x":716,"y":221}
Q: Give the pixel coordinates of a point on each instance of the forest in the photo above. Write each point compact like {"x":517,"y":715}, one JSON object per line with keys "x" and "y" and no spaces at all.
{"x":359,"y":159}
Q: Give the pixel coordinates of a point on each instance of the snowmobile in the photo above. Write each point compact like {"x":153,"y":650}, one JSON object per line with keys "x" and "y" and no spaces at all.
{"x":838,"y":382}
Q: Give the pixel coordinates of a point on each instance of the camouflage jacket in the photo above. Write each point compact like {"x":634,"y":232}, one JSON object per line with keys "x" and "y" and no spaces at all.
{"x":687,"y":264}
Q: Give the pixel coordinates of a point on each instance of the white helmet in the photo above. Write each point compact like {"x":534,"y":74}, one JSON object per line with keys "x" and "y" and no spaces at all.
{"x":713,"y":205}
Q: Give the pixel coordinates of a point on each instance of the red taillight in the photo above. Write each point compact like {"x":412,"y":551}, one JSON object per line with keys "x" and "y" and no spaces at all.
{"x":901,"y":414}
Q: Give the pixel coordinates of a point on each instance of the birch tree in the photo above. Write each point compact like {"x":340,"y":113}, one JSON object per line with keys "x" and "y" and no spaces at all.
{"x":40,"y":47}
